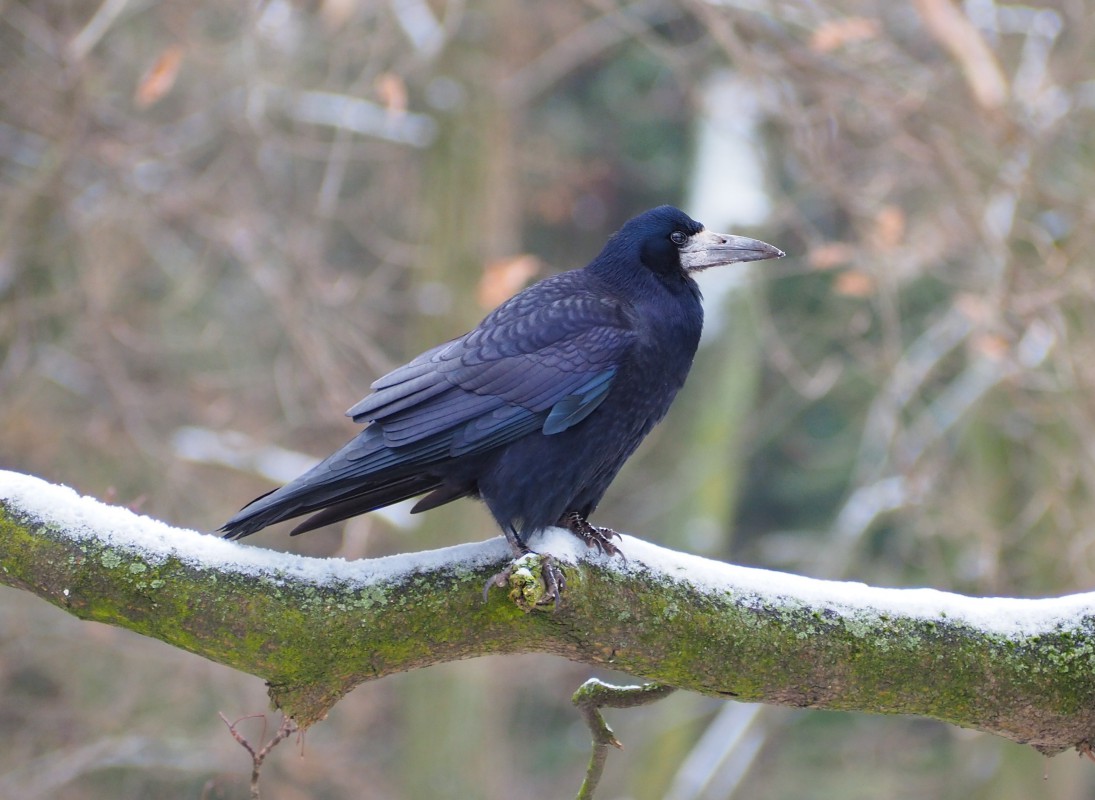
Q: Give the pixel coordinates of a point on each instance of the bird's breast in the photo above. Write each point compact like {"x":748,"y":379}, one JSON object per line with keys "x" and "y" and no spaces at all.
{"x":665,"y":348}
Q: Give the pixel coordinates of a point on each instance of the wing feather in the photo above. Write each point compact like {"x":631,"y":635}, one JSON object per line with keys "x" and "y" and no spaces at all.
{"x":545,"y":361}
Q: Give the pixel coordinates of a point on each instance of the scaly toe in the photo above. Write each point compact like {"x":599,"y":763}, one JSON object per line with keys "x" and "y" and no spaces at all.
{"x":551,"y":578}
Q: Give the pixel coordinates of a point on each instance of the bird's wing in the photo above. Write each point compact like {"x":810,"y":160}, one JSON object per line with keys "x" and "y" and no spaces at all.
{"x":534,"y":363}
{"x":543,"y":361}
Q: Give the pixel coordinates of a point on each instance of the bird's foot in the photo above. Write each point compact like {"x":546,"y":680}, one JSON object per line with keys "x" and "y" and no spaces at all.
{"x":592,"y":535}
{"x":527,"y":589}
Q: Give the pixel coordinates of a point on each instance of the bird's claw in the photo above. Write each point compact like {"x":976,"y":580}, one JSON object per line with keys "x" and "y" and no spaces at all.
{"x":548,"y":588}
{"x":555,"y":581}
{"x":592,"y":535}
{"x":498,"y":580}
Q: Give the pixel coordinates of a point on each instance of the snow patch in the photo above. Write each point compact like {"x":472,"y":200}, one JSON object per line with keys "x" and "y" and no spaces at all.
{"x":1002,"y":616}
{"x":85,"y":518}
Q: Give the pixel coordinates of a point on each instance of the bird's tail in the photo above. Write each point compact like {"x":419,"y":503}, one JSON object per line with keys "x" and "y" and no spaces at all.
{"x":332,"y":505}
{"x":362,"y":476}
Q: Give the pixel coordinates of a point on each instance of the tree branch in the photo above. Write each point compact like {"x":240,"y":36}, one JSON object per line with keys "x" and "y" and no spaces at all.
{"x":591,"y":697}
{"x":316,"y":628}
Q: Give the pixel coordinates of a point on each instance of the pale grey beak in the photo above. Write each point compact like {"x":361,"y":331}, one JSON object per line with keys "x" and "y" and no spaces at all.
{"x":708,"y":249}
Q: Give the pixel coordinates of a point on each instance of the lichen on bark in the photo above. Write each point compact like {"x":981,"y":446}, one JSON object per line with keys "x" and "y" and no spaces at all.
{"x":313,"y":640}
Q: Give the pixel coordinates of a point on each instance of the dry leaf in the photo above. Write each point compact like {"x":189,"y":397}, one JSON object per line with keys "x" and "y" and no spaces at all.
{"x":889,"y":228}
{"x":158,"y":81}
{"x":393,"y":93}
{"x":337,"y":13}
{"x":954,"y":31}
{"x":506,"y":277}
{"x":990,"y":345}
{"x":836,"y":33}
{"x":853,"y":283}
{"x":974,"y":308}
{"x":830,"y":255}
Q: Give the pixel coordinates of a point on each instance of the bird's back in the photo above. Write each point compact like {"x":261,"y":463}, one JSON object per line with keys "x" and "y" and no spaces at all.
{"x":532,"y":482}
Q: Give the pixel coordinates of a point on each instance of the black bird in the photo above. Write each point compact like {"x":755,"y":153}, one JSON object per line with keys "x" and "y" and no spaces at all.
{"x":536,"y":409}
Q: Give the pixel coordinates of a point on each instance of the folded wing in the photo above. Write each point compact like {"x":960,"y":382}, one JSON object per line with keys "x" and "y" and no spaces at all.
{"x":537,"y":365}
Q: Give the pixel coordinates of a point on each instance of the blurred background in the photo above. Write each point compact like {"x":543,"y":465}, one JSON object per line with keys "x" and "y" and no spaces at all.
{"x":220,"y":222}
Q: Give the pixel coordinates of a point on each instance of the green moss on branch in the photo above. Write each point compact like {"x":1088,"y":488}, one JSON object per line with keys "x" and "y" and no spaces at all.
{"x":314,"y":641}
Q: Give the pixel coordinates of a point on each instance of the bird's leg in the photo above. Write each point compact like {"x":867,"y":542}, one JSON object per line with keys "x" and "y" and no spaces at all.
{"x":554,"y":579}
{"x":518,"y":547}
{"x":592,"y":535}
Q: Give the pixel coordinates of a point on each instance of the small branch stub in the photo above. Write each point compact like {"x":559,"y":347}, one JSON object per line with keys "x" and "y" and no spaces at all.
{"x":590,"y":698}
{"x":533,"y":580}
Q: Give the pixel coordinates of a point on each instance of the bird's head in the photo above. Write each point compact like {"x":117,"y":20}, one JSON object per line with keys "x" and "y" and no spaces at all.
{"x":671,"y":244}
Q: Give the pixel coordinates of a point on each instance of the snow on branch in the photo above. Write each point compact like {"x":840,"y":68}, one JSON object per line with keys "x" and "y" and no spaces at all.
{"x":315,"y":628}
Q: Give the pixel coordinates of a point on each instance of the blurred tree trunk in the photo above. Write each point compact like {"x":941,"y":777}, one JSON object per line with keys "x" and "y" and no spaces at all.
{"x":469,"y":197}
{"x":702,"y":509}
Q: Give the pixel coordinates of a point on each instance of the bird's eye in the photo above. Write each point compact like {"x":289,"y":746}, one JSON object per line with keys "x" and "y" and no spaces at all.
{"x":678,"y":238}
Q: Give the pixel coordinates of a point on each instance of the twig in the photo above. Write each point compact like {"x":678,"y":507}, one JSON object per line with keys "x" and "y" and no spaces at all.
{"x":591,"y":697}
{"x":96,"y":28}
{"x":287,"y":728}
{"x":586,"y":43}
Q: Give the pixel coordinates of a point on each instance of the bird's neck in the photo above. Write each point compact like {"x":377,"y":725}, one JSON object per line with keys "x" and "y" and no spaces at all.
{"x":639,"y":284}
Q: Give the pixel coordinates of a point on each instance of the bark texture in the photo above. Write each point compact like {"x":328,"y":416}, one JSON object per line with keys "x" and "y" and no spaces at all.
{"x":314,"y":637}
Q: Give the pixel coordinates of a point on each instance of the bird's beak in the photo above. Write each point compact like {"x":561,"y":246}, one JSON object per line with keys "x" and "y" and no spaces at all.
{"x":707,"y":249}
